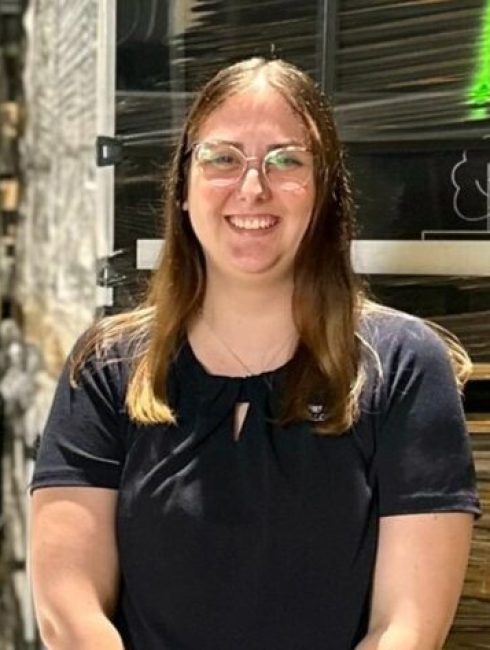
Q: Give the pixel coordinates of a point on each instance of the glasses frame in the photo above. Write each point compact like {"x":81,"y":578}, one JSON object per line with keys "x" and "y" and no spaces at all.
{"x":247,"y":160}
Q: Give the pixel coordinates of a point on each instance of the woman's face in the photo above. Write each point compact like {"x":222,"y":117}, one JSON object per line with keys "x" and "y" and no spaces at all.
{"x":250,"y":229}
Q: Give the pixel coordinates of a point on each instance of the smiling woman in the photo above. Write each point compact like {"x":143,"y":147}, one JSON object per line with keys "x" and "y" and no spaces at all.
{"x":259,"y":456}
{"x":251,"y":218}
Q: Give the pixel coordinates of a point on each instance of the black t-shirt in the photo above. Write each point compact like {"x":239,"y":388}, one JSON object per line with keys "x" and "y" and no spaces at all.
{"x":268,"y":542}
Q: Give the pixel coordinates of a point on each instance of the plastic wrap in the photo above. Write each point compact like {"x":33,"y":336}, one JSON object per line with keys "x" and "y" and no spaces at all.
{"x":412,"y":70}
{"x":410,"y":100}
{"x":415,"y":141}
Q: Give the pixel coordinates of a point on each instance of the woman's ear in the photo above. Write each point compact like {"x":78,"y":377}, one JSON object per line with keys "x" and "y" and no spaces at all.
{"x":185,"y":205}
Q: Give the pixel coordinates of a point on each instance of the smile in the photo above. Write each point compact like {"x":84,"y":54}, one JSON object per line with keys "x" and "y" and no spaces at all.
{"x":252,"y":222}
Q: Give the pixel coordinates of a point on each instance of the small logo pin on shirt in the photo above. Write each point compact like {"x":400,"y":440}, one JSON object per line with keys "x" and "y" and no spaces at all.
{"x":317,"y":412}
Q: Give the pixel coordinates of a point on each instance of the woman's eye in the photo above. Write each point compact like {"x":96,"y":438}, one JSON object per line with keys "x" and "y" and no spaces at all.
{"x":223,"y":159}
{"x":218,"y":159}
{"x":284,"y":161}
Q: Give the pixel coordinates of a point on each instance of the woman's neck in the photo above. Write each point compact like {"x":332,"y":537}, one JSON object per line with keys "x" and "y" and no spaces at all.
{"x":267,"y":307}
{"x":255,"y":322}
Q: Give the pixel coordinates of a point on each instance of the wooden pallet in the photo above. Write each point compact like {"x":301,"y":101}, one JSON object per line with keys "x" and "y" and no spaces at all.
{"x":481,"y":371}
{"x":471,"y":628}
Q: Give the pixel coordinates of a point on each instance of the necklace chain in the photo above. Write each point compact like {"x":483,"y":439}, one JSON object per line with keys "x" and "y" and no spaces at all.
{"x":235,"y":356}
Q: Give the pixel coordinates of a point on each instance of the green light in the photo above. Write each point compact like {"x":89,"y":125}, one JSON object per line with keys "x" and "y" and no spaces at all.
{"x":479,"y":92}
{"x":478,"y":114}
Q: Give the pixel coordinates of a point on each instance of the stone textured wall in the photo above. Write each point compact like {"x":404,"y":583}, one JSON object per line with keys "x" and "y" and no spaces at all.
{"x":57,"y":266}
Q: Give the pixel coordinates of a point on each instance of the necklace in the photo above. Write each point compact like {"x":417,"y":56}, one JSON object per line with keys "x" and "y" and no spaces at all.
{"x":236,"y":357}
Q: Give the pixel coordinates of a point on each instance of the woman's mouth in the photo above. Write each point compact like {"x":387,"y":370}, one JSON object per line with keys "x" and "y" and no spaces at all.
{"x":256,"y":222}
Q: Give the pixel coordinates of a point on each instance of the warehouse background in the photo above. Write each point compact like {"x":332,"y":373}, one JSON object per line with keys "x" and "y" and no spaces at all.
{"x":92,"y":96}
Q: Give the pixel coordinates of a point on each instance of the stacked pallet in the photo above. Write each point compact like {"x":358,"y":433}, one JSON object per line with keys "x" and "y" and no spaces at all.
{"x":471,"y":629}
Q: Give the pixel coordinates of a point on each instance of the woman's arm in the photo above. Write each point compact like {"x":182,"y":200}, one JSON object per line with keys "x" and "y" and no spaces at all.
{"x":74,"y":567}
{"x":420,"y":568}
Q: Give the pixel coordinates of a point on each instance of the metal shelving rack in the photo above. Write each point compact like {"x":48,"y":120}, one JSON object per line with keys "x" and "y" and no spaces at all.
{"x":69,"y":102}
{"x":14,"y":606}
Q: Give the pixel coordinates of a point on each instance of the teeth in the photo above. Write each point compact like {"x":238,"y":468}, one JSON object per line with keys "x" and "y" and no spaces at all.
{"x":252,"y":223}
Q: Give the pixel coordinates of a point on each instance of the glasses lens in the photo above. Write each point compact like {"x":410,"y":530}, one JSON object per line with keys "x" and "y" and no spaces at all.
{"x":220,"y":164}
{"x":288,"y":168}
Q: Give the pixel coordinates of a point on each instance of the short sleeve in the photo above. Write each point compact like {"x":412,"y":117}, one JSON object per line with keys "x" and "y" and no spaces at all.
{"x":83,"y":441}
{"x":423,"y":459}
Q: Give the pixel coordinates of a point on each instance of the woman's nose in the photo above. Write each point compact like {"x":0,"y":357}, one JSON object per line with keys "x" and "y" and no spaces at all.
{"x":253,"y":183}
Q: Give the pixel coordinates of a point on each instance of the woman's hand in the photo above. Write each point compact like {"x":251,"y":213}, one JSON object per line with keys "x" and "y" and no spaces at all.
{"x":74,"y":567}
{"x":420,"y":568}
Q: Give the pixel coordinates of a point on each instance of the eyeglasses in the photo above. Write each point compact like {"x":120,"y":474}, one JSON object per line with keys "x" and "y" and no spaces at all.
{"x":285,"y":168}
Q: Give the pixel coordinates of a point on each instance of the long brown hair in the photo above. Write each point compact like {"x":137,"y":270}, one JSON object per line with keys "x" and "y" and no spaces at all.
{"x":328,"y":300}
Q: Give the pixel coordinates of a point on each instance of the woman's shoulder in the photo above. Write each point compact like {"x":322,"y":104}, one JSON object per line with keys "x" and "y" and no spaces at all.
{"x":386,"y":326}
{"x":400,"y":338}
{"x":102,"y":355}
{"x":116,"y":338}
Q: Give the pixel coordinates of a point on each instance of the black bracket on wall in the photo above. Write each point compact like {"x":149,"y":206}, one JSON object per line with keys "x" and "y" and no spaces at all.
{"x":109,"y":151}
{"x":112,"y":270}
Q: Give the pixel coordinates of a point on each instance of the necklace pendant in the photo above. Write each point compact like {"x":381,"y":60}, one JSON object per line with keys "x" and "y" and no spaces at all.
{"x":317,"y":412}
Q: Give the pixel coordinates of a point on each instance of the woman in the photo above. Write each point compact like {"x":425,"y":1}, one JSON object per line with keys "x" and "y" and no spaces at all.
{"x":259,"y":457}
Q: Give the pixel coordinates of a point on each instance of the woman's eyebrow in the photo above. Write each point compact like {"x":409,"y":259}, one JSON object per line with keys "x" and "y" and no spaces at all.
{"x":270,"y":147}
{"x":287,"y":143}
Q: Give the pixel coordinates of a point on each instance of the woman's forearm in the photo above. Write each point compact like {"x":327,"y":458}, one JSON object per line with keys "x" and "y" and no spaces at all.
{"x":395,"y":637}
{"x":94,"y":632}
